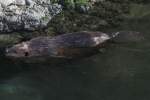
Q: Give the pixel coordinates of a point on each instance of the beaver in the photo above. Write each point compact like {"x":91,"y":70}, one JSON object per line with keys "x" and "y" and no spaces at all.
{"x":70,"y":45}
{"x":67,"y":45}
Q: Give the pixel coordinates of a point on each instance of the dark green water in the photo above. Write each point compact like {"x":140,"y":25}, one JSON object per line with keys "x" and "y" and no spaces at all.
{"x":122,"y":72}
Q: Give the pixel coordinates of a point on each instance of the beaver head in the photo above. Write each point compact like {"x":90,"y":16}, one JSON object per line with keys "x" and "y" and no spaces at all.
{"x":33,"y":48}
{"x":18,"y":50}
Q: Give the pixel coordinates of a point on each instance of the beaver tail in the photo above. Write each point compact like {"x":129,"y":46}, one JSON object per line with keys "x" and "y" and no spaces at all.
{"x":126,"y":36}
{"x":113,"y":35}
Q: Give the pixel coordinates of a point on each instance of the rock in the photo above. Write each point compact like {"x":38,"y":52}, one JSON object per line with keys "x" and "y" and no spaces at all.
{"x":27,"y":15}
{"x":9,"y":39}
{"x":103,"y":15}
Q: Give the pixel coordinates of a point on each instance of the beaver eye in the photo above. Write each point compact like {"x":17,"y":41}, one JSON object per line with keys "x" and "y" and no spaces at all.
{"x":26,"y":54}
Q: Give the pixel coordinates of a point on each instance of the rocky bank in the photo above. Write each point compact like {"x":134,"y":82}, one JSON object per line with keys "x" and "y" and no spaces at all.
{"x":29,"y":15}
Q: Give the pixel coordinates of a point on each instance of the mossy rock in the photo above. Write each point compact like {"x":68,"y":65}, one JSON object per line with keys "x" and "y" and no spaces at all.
{"x":9,"y":39}
{"x":100,"y":17}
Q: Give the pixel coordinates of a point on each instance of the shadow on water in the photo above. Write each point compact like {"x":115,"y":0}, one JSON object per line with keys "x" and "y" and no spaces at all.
{"x":120,"y":73}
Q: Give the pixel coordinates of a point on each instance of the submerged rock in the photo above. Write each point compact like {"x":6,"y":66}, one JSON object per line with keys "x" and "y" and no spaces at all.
{"x":26,"y":14}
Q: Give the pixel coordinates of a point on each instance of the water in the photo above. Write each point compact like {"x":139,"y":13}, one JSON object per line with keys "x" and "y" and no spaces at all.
{"x":120,"y":73}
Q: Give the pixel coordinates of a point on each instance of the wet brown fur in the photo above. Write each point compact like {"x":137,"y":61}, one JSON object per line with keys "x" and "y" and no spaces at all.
{"x":68,"y":45}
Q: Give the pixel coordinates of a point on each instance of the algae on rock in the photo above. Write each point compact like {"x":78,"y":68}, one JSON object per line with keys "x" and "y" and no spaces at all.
{"x":9,"y":39}
{"x":101,"y":16}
